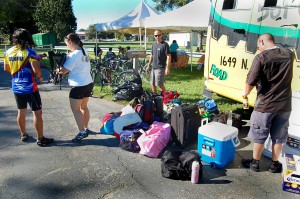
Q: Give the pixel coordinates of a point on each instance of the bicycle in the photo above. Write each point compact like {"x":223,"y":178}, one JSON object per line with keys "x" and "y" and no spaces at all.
{"x":145,"y":75}
{"x":111,"y":75}
{"x":56,"y":60}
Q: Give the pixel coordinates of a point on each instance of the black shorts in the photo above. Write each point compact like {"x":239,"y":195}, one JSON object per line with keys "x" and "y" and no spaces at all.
{"x":33,"y":99}
{"x":80,"y":92}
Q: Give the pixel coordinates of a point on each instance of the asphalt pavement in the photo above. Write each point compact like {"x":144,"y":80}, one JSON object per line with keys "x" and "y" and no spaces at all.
{"x":98,"y":168}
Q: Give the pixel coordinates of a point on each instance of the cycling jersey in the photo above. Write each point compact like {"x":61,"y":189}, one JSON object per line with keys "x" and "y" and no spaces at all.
{"x":19,"y":61}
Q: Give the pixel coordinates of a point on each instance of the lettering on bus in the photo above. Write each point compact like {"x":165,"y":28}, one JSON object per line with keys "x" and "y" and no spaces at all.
{"x":275,"y":14}
{"x":222,"y":75}
{"x":231,"y":62}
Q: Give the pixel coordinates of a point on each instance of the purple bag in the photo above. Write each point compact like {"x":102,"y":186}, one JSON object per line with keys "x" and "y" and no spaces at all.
{"x":155,"y":139}
{"x":128,"y":140}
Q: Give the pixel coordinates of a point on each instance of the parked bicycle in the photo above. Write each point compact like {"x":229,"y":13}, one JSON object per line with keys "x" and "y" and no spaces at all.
{"x":112,"y":74}
{"x":145,"y":75}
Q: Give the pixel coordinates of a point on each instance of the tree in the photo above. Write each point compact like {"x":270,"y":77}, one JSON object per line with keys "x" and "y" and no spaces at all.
{"x":55,"y":16}
{"x":17,"y":14}
{"x":91,"y":32}
{"x":164,"y":5}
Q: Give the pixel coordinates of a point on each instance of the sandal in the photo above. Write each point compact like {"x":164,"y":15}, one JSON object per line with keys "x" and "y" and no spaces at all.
{"x":24,"y":137}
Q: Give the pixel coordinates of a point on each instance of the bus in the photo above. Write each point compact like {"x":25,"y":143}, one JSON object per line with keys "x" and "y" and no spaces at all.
{"x":234,"y":27}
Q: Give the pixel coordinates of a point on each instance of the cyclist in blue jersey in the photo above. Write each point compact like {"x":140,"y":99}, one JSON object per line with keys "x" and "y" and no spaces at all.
{"x":21,"y":61}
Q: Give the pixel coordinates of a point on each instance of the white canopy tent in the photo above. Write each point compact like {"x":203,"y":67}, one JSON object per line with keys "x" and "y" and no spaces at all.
{"x":131,"y":23}
{"x":194,"y":16}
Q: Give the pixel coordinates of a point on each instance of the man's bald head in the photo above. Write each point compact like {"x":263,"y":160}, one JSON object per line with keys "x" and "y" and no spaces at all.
{"x":265,"y":41}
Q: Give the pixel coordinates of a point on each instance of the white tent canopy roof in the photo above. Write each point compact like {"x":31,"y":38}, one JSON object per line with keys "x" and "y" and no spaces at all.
{"x":131,"y":22}
{"x":193,"y":16}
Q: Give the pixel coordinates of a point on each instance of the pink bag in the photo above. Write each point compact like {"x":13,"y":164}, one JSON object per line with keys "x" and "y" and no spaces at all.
{"x":155,"y":139}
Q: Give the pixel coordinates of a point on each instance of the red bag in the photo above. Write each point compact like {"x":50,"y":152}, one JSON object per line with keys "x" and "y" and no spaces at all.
{"x":169,"y":96}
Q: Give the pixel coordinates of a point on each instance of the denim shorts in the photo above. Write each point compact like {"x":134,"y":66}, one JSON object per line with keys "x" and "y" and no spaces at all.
{"x":263,"y":124}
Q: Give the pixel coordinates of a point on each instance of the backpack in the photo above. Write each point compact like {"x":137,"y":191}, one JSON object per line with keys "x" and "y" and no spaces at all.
{"x":108,"y":122}
{"x":128,"y":140}
{"x":146,"y":108}
{"x":209,"y":105}
{"x":177,"y":165}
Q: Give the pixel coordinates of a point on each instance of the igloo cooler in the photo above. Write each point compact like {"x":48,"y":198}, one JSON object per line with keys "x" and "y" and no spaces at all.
{"x":216,"y":143}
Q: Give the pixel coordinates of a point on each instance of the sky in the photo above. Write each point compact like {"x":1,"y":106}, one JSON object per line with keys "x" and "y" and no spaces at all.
{"x":90,"y":12}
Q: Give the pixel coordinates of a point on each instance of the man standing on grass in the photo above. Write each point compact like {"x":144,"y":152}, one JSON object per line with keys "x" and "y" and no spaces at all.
{"x":271,"y":72}
{"x":160,"y":59}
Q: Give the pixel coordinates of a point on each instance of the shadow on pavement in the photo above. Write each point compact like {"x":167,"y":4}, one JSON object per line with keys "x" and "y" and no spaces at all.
{"x":108,"y":142}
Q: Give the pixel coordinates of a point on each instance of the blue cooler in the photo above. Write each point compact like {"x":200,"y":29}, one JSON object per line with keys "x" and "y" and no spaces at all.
{"x":216,"y":143}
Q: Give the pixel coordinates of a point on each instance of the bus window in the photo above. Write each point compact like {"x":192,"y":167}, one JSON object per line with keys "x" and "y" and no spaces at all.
{"x":270,"y":3}
{"x":229,"y":4}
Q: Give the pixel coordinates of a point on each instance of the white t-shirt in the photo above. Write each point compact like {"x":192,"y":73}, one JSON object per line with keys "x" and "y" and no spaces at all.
{"x":79,"y":67}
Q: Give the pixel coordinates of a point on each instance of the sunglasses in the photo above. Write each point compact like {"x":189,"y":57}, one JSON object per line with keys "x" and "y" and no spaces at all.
{"x":157,"y":35}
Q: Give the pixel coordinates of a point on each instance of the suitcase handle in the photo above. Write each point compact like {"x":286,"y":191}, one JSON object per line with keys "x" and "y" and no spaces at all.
{"x":235,"y":141}
{"x":209,"y":142}
{"x":204,"y":120}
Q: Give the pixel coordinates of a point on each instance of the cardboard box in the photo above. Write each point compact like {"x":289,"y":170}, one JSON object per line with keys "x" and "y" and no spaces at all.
{"x":291,"y":173}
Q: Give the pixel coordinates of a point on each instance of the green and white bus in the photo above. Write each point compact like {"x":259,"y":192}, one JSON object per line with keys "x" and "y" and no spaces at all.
{"x":231,"y":45}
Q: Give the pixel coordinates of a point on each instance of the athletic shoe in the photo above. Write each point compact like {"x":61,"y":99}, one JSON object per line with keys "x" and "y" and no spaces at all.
{"x":275,"y":167}
{"x":44,"y":141}
{"x":88,"y":131}
{"x":80,"y":136}
{"x":251,"y":163}
{"x":24,"y":137}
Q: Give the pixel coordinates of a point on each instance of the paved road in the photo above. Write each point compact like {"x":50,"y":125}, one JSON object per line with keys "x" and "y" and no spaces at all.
{"x":98,"y":168}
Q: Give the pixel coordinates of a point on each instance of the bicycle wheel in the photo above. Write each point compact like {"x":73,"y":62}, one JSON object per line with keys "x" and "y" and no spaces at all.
{"x":94,"y":75}
{"x":105,"y":77}
{"x":145,"y":75}
{"x":125,"y":76}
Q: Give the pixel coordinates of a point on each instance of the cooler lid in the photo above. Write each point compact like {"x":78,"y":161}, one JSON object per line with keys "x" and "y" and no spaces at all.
{"x":218,"y":131}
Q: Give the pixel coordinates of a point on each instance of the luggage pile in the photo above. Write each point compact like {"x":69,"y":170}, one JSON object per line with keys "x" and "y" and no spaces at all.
{"x":151,"y":124}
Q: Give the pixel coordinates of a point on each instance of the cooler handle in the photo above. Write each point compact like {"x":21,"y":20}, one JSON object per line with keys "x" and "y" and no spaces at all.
{"x":209,"y":142}
{"x":204,"y":120}
{"x":235,"y":141}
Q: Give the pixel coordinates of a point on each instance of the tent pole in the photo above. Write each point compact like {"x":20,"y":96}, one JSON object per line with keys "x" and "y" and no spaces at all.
{"x":145,"y":38}
{"x":191,"y":49}
{"x":140,"y":32}
{"x":96,"y":44}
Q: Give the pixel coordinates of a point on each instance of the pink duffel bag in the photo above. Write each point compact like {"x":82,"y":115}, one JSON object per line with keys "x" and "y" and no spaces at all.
{"x":155,"y":139}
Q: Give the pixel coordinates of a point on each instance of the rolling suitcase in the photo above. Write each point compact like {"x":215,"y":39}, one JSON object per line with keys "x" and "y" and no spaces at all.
{"x":185,"y":121}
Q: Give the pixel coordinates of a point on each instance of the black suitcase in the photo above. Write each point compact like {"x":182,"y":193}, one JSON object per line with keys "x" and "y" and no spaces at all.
{"x":185,"y":121}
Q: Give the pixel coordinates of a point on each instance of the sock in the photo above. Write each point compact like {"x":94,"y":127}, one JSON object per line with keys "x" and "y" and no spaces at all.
{"x":82,"y":132}
{"x":255,"y":161}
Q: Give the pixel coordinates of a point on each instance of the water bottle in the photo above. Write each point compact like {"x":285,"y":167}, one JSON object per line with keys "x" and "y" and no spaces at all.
{"x":195,"y":172}
{"x":229,"y":119}
{"x":245,"y":103}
